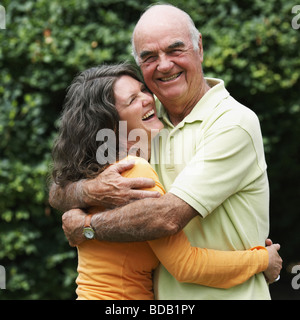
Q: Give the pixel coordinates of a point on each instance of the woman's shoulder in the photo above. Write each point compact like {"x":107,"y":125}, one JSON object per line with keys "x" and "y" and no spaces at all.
{"x":138,"y":160}
{"x":142,"y":168}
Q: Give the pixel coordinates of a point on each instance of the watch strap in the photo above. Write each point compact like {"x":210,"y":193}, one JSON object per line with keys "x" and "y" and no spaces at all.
{"x":87,"y":220}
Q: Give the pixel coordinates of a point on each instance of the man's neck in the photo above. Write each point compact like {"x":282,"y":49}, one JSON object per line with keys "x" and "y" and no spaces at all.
{"x":178,"y":110}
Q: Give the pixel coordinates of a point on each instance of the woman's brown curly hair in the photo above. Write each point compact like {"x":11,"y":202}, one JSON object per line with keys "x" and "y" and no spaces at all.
{"x":89,"y":107}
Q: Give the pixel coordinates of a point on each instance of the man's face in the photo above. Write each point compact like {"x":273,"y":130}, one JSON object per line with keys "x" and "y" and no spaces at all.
{"x":171,"y":67}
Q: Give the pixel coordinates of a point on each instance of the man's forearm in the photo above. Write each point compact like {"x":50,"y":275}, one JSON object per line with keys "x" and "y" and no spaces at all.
{"x":69,"y":197}
{"x":143,"y":220}
{"x":109,"y":189}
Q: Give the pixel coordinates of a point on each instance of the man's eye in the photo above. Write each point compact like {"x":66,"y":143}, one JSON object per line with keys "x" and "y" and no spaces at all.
{"x":176,"y":52}
{"x":150,"y":59}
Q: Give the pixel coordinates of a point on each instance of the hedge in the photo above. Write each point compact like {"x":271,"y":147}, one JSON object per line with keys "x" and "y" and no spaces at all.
{"x":250,"y":44}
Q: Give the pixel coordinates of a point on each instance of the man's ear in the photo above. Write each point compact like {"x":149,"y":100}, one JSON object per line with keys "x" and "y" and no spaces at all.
{"x":200,"y":47}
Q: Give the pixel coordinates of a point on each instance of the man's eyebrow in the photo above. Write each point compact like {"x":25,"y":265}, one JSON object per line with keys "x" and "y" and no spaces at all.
{"x":176,"y":44}
{"x":144,"y":54}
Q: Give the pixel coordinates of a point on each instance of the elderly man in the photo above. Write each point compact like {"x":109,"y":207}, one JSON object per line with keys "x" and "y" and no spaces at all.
{"x":209,"y":157}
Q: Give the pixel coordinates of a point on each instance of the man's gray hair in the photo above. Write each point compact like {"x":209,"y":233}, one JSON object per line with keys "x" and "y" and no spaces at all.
{"x":194,"y":33}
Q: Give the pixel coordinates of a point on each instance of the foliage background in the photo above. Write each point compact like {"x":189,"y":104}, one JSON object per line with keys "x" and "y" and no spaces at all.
{"x":249,"y":44}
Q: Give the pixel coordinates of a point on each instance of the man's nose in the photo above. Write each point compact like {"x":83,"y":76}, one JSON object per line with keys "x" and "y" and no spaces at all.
{"x":164,"y":64}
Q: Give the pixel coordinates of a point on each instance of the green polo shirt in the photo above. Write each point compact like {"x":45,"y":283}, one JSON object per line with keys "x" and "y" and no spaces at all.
{"x":214,"y":160}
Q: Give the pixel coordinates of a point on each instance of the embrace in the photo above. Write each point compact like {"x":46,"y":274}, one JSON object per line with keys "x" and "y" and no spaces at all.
{"x":147,"y":228}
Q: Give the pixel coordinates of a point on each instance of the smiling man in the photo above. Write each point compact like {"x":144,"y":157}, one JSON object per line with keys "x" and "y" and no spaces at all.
{"x":171,"y":62}
{"x":219,"y":192}
{"x":172,"y":66}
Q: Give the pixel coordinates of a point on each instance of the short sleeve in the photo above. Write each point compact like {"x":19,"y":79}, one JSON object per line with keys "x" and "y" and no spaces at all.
{"x":226,"y":160}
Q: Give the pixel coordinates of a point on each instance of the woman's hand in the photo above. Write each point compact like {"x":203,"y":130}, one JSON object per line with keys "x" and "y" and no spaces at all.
{"x":275,"y":262}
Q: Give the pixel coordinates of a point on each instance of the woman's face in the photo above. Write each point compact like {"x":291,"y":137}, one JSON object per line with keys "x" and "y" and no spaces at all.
{"x":136,"y":106}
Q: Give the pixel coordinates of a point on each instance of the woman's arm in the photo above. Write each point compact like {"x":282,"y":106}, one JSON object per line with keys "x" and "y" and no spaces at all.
{"x":186,"y":263}
{"x":214,"y":268}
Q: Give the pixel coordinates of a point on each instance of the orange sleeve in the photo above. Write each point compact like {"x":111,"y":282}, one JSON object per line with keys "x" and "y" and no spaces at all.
{"x":142,"y":168}
{"x":213,"y":268}
{"x":208,"y":267}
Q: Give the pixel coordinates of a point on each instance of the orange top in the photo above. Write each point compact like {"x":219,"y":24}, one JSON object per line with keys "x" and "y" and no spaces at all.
{"x":123,"y":271}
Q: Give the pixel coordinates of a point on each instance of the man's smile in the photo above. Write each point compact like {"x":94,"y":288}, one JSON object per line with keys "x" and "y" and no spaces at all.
{"x":175,"y":76}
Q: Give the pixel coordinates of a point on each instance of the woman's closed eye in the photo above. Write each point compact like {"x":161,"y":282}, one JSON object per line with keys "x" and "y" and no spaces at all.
{"x":132,"y":99}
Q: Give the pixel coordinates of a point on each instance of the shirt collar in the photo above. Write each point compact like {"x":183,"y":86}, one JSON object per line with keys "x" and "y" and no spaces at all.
{"x":205,"y":105}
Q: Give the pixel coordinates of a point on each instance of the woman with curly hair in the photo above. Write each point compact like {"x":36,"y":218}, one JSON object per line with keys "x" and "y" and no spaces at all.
{"x":98,"y":101}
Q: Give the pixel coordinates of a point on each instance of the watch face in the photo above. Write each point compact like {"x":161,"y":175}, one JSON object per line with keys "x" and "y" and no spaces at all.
{"x":89,"y":233}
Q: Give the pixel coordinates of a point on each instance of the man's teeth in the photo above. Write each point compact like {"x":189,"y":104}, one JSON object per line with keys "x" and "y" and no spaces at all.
{"x":148,"y":114}
{"x":171,"y":78}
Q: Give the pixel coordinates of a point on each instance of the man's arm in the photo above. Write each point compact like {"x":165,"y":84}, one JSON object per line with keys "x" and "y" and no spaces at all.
{"x":141,"y":220}
{"x":109,"y":190}
{"x":120,"y":225}
{"x":68,"y":197}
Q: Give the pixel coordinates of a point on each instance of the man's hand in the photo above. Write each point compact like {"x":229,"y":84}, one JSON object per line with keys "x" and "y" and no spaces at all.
{"x":275,"y":262}
{"x":110,"y":189}
{"x":73,"y":223}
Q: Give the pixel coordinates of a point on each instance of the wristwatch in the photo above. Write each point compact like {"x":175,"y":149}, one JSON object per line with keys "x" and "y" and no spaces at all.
{"x":88,"y":231}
